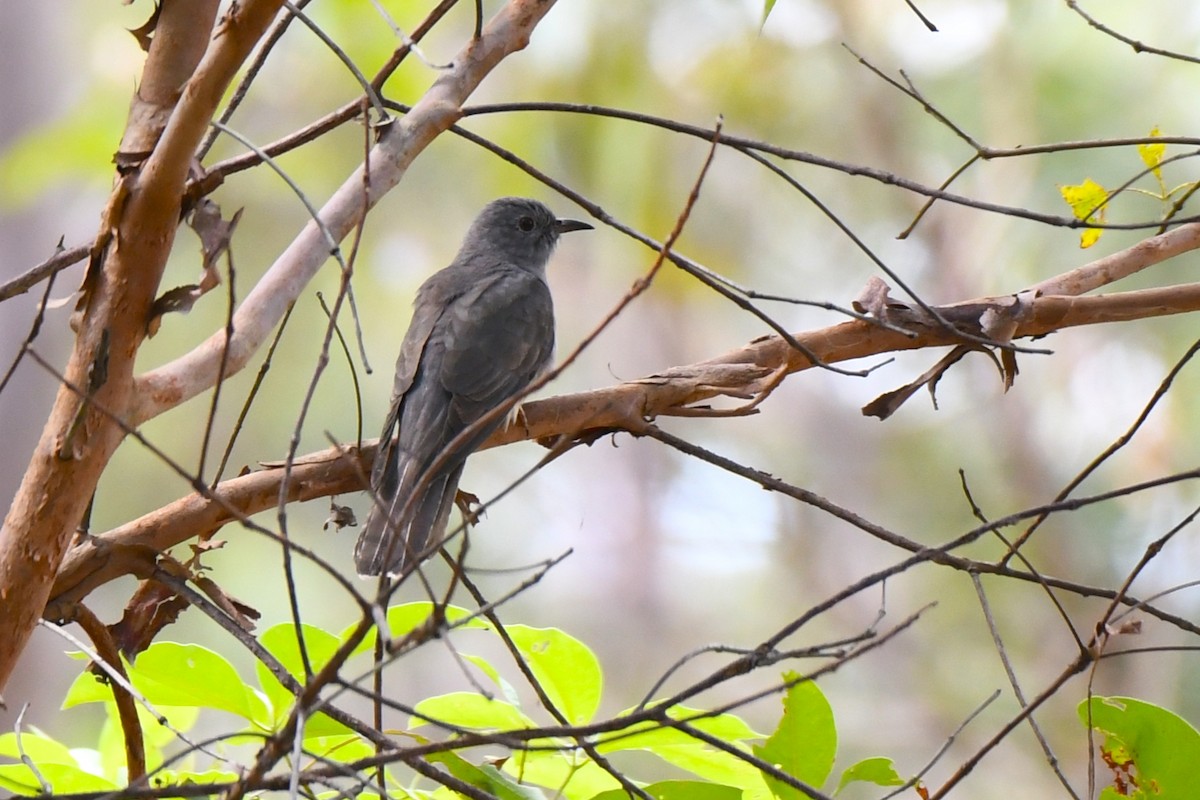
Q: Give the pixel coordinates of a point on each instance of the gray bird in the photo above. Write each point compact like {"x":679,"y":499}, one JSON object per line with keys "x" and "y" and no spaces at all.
{"x":482,"y":330}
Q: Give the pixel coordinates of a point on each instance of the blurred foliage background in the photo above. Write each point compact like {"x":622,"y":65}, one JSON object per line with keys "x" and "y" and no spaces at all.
{"x":670,"y":554}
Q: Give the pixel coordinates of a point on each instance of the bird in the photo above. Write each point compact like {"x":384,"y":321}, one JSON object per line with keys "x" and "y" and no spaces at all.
{"x":482,"y":330}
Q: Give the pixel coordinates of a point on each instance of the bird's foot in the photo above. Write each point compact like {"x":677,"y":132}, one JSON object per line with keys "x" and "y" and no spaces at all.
{"x":469,"y":506}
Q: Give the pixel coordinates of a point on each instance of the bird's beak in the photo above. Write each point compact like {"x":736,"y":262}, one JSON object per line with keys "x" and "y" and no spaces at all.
{"x":568,"y":225}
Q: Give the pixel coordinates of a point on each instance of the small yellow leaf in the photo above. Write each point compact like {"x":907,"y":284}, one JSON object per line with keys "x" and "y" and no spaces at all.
{"x":1085,"y":198}
{"x":1087,"y":203}
{"x":1089,"y":237}
{"x":1152,"y":154}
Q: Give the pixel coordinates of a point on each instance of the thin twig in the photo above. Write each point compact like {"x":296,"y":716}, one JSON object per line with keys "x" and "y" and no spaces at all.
{"x":53,"y":265}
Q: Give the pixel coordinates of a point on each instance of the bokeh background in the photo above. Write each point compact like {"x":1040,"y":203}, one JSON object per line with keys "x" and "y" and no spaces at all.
{"x":669,"y":554}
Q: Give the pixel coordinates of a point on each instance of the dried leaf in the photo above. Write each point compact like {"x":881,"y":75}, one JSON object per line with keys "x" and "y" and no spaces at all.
{"x":145,"y":33}
{"x":215,"y":235}
{"x":1131,"y":627}
{"x":241,"y":613}
{"x":62,"y":301}
{"x":180,"y":299}
{"x":874,"y":298}
{"x":152,"y":608}
{"x":469,"y":506}
{"x":340,"y":517}
{"x":999,"y":323}
{"x":886,"y":404}
{"x":1008,"y":368}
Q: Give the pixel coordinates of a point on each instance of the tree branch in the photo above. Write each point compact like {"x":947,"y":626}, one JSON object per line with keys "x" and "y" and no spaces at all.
{"x":746,"y":373}
{"x":137,"y":230}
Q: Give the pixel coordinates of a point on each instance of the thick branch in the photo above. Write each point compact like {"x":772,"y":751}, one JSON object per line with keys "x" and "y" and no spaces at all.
{"x":1122,"y":264}
{"x":137,"y":231}
{"x":171,"y":384}
{"x":134,"y":547}
{"x":742,"y":373}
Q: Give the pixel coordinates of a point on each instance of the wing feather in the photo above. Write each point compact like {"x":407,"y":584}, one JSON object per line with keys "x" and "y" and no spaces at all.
{"x":463,"y":354}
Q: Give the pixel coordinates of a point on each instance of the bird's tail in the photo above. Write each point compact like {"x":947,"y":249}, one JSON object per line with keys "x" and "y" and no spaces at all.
{"x":393,"y":539}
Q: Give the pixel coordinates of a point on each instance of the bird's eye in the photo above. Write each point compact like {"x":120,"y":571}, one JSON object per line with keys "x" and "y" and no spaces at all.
{"x":525,"y":224}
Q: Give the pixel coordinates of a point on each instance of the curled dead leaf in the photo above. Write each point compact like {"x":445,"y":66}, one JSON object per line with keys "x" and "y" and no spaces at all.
{"x":340,"y":517}
{"x":873,"y":299}
{"x":215,"y":236}
{"x":999,"y":323}
{"x":244,"y":615}
{"x":180,"y":299}
{"x":145,"y":33}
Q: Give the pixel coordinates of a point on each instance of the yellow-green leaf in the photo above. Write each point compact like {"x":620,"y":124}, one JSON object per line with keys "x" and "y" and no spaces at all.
{"x":1087,"y":201}
{"x":1152,"y":154}
{"x":568,"y":672}
{"x":1085,"y":198}
{"x":470,"y":710}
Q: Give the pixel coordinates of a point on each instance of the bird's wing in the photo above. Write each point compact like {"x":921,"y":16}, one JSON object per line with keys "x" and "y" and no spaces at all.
{"x":433,"y":299}
{"x":502,"y":337}
{"x":430,"y":304}
{"x":463,"y":354}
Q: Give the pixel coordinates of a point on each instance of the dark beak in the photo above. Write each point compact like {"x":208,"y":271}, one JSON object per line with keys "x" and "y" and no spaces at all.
{"x":568,"y":225}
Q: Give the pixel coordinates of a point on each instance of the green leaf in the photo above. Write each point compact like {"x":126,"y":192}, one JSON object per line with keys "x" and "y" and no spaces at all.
{"x":565,"y":668}
{"x":37,"y":746}
{"x":89,"y":688}
{"x":694,"y":755}
{"x":57,"y":766}
{"x":155,"y":736}
{"x":878,"y":770}
{"x":170,"y":777}
{"x":470,"y":710}
{"x":485,"y":777}
{"x":172,"y":674}
{"x":344,"y":748}
{"x":805,"y":742}
{"x":715,"y":766}
{"x":679,"y":790}
{"x":1088,"y":202}
{"x":486,"y":667}
{"x":768,"y":5}
{"x":576,"y":775}
{"x":280,"y":641}
{"x":403,"y":619}
{"x":650,"y":735}
{"x":62,"y":778}
{"x":1163,"y":749}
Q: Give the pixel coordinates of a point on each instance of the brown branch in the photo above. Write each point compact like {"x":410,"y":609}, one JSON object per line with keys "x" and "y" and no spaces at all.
{"x":131,"y":726}
{"x":178,"y":45}
{"x":56,"y":263}
{"x":749,"y":371}
{"x":1122,"y":264}
{"x":133,"y":547}
{"x":137,"y":231}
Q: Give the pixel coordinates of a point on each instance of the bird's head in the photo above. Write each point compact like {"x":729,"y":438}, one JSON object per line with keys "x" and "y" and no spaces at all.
{"x":520,"y":230}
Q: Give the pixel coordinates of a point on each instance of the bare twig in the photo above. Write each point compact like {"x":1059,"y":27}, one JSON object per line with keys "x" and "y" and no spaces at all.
{"x":53,"y":265}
